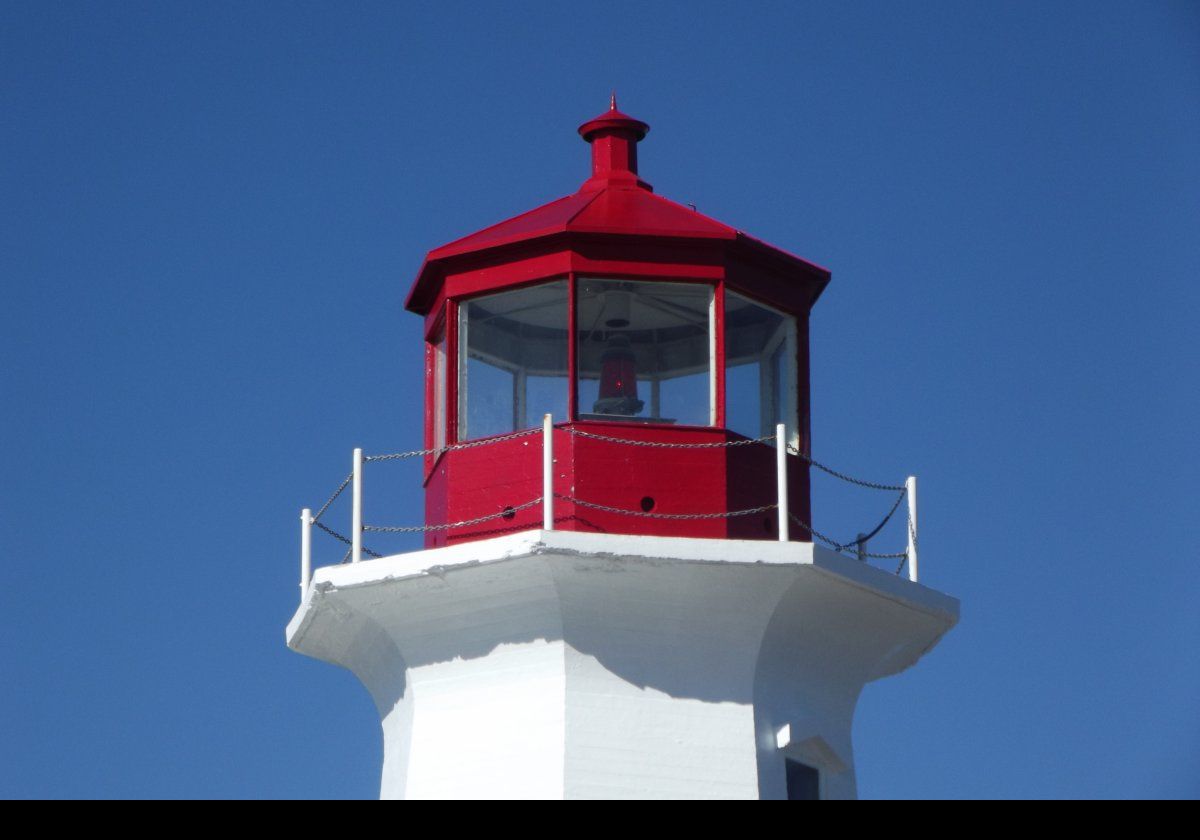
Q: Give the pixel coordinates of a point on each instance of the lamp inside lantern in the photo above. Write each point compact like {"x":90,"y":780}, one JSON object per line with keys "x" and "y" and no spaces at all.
{"x":643,"y":339}
{"x":618,"y":379}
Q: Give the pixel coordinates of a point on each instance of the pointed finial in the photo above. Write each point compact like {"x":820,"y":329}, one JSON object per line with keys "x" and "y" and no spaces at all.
{"x":612,"y":100}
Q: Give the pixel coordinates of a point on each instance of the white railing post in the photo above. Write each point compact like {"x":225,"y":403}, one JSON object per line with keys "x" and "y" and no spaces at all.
{"x":910,"y":487}
{"x":356,"y":514}
{"x":547,"y":473}
{"x":305,"y":550}
{"x":781,"y":482}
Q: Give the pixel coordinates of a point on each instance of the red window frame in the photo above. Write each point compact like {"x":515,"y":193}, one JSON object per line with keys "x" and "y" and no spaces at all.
{"x":448,"y":320}
{"x":716,"y":347}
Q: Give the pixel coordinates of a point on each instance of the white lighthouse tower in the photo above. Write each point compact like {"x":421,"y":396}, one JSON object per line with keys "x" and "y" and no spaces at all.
{"x":619,"y":594}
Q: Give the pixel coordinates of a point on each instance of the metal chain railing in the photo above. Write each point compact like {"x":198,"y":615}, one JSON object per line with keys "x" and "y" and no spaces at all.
{"x":910,"y":557}
{"x":546,"y":500}
{"x":653,"y":515}
{"x":814,"y":532}
{"x":375,"y":555}
{"x":862,"y":539}
{"x":344,"y":539}
{"x":839,"y":547}
{"x":808,"y":459}
{"x":724,"y":444}
{"x":417,"y":529}
{"x":331,"y":532}
{"x":452,"y":447}
{"x":333,"y":498}
{"x":653,"y":444}
{"x":857,"y":544}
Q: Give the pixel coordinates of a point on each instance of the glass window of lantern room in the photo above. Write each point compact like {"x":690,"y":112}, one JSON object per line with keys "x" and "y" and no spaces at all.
{"x":512,"y":360}
{"x":437,"y":345}
{"x":644,"y":352}
{"x":760,"y":368}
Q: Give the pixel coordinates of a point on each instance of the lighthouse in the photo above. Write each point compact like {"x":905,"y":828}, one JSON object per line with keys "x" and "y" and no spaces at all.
{"x":622,"y":592}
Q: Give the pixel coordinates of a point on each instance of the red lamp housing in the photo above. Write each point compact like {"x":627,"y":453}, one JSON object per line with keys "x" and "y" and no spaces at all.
{"x":618,"y":380}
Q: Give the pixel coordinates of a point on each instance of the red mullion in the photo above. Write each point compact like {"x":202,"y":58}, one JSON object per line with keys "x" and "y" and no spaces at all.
{"x":803,"y":385}
{"x":719,"y":355}
{"x":572,"y":351}
{"x":804,"y":418}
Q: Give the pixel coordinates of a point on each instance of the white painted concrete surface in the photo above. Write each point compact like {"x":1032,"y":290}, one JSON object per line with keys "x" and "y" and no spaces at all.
{"x":560,"y":664}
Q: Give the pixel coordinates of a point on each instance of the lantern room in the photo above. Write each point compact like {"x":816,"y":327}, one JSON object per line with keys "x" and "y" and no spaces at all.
{"x":666,"y":347}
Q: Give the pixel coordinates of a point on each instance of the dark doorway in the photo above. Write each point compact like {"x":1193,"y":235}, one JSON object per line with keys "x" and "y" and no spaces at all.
{"x":803,"y":782}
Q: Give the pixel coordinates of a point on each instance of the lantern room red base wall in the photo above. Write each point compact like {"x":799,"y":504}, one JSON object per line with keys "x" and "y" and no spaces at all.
{"x":493,"y":478}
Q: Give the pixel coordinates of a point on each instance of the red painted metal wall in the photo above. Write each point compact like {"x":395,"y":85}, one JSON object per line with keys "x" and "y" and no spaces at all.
{"x":483,"y":481}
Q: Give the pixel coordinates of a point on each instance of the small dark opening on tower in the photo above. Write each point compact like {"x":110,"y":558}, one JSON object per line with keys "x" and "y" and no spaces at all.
{"x":803,"y":782}
{"x":508,"y":513}
{"x":648,"y":504}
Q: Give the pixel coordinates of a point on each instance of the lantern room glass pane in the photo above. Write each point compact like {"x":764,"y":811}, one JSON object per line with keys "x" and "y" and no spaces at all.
{"x":645,"y":352}
{"x":760,"y":368}
{"x":438,"y":350}
{"x":512,"y":360}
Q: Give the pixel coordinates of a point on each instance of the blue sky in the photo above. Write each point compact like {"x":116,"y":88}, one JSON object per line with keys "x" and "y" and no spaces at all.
{"x":210,"y":215}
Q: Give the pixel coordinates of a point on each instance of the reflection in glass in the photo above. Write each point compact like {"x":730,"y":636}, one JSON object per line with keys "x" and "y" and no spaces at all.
{"x":438,"y":345}
{"x":512,"y":360}
{"x":644,"y":352}
{"x":760,"y":368}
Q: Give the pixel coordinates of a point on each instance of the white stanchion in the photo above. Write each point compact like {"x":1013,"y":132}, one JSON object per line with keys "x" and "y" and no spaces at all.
{"x":305,"y":550}
{"x":548,"y":473}
{"x":910,"y":486}
{"x":356,"y":530}
{"x":781,"y":482}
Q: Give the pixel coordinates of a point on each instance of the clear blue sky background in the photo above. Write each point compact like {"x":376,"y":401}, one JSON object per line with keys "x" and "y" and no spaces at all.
{"x":210,"y":215}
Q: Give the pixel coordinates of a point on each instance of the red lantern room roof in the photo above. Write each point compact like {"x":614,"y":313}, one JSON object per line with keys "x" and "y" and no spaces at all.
{"x":613,"y":202}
